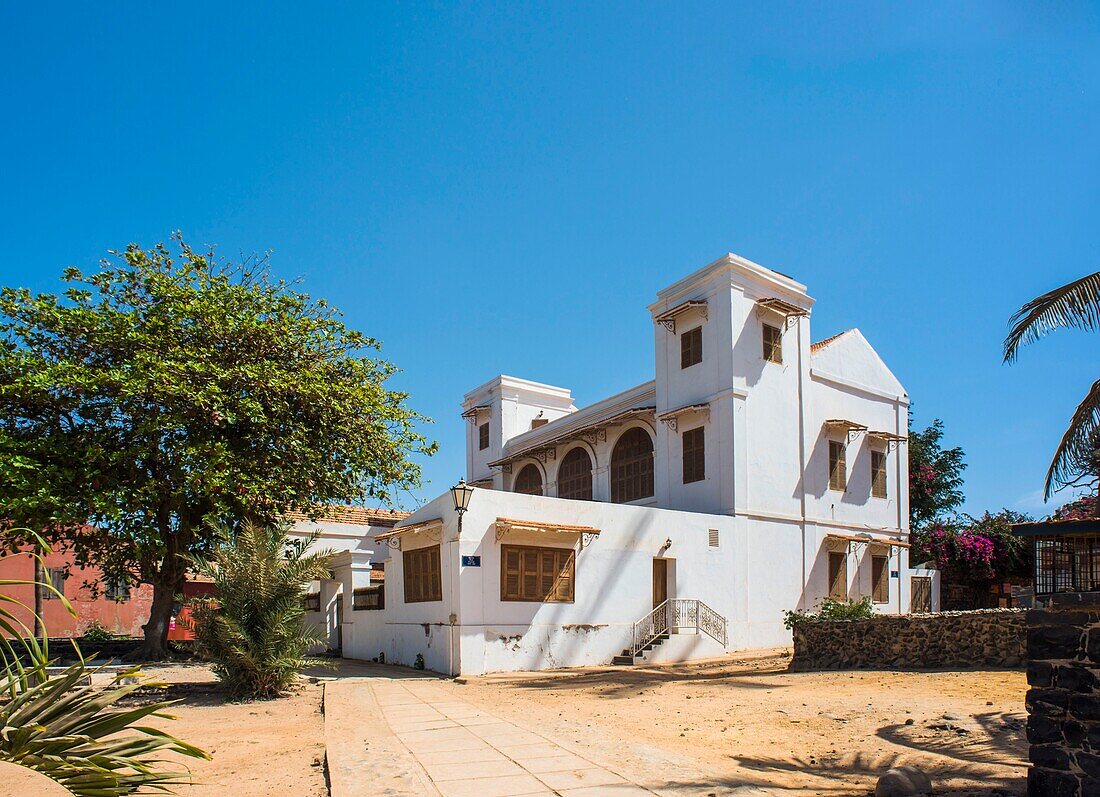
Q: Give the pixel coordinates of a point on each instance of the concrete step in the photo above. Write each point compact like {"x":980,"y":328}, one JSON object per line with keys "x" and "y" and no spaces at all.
{"x":626,"y":660}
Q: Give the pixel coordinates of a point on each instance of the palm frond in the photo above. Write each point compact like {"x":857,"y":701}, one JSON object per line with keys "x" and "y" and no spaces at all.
{"x":1077,"y":449}
{"x":1074,"y":305}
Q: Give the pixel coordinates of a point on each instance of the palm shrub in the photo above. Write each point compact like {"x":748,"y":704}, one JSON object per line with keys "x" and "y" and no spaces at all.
{"x":252,"y":628}
{"x":59,"y":725}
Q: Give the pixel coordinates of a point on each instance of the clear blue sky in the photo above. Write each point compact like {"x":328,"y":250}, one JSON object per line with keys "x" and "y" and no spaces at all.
{"x":503,"y":188}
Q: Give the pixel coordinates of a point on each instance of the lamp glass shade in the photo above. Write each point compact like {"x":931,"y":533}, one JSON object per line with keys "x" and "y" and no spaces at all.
{"x":461,"y":494}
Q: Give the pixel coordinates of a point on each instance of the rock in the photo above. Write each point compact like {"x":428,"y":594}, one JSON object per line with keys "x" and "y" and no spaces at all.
{"x":903,"y":782}
{"x":952,"y":717}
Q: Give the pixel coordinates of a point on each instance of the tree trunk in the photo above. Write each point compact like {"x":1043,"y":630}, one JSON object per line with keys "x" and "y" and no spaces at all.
{"x":166,"y":585}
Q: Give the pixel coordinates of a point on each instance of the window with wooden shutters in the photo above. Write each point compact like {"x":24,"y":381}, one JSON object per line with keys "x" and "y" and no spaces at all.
{"x":422,"y":577}
{"x":536,"y":575}
{"x":575,"y":476}
{"x":694,"y":456}
{"x":773,"y":344}
{"x":632,"y":467}
{"x":483,"y":437}
{"x":368,"y":599}
{"x":529,"y":481}
{"x":838,"y":575}
{"x":691,"y":347}
{"x":838,"y":467}
{"x":878,"y":474}
{"x":880,"y":579}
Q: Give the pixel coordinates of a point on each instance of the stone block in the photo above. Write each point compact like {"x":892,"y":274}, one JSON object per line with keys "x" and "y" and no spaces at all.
{"x":1089,"y":764}
{"x":1047,"y":702}
{"x":1076,"y":678}
{"x":1043,"y":730}
{"x":1085,"y":707}
{"x":1050,"y":756}
{"x":1053,"y":642}
{"x":1074,"y":733}
{"x":1051,"y":783}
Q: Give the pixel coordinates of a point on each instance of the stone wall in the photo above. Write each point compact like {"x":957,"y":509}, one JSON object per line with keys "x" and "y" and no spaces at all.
{"x":983,"y":638}
{"x":1063,"y":703}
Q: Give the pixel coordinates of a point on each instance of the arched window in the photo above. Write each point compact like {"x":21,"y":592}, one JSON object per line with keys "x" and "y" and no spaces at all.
{"x":529,"y":481}
{"x":632,"y":467}
{"x":575,"y":476}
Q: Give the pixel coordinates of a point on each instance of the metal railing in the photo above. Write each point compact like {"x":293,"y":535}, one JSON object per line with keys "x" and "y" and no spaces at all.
{"x":681,"y":615}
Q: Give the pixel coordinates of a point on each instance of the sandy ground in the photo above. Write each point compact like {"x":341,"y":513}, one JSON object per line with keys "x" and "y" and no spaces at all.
{"x":747,"y":721}
{"x":271,"y":748}
{"x":738,"y":722}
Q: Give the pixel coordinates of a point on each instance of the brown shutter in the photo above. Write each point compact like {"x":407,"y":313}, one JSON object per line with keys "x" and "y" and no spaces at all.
{"x":880,"y":584}
{"x":536,"y":574}
{"x":509,"y":576}
{"x":838,"y":575}
{"x":838,"y":469}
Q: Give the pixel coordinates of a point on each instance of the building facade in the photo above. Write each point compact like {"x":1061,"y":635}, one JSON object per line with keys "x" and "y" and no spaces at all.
{"x":757,"y":472}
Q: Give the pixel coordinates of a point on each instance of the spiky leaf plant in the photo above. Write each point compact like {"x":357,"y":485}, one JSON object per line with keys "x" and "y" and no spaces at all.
{"x":252,"y":629}
{"x":76,"y":734}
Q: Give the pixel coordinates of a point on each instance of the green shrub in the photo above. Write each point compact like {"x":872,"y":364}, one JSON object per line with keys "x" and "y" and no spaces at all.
{"x":96,"y":631}
{"x":252,"y":629}
{"x":832,"y":609}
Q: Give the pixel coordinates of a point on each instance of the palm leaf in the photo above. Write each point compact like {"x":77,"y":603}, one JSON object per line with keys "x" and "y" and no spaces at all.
{"x":1078,"y":444}
{"x":1074,"y":305}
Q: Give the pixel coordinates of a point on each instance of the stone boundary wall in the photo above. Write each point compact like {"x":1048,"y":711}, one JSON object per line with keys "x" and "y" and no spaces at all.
{"x":1063,"y":703}
{"x":982,"y":638}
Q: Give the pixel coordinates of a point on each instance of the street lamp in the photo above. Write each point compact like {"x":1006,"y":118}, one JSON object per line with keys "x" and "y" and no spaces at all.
{"x":461,"y":494}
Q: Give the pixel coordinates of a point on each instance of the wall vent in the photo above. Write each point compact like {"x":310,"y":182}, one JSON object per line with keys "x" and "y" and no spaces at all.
{"x":713,"y":537}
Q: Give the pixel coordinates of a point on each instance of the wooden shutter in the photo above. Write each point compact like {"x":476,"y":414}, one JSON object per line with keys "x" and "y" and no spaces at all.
{"x":483,"y":436}
{"x":838,"y":575}
{"x":422,"y":576}
{"x":880,"y":581}
{"x":694,"y":465}
{"x":691,"y":347}
{"x":536,"y":574}
{"x":773,"y":344}
{"x":878,"y":474}
{"x":838,"y":469}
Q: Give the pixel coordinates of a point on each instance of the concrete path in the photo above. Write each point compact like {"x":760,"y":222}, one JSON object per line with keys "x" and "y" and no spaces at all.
{"x":397,"y":737}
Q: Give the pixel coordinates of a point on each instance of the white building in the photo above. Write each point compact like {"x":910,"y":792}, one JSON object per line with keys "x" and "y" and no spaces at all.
{"x":758,"y":472}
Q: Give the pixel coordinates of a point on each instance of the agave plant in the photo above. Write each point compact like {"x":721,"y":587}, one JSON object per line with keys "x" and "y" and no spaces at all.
{"x":252,"y":628}
{"x":60,"y":725}
{"x":1077,"y":305}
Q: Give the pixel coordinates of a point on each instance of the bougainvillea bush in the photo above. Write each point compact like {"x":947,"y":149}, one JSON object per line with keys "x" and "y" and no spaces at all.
{"x":1086,"y":507}
{"x":975,"y":552}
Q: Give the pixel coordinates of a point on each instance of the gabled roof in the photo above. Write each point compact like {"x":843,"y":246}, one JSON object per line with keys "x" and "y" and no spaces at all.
{"x":353,"y":515}
{"x":821,"y":344}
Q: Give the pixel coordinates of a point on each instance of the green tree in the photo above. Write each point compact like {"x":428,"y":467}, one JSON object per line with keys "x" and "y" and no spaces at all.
{"x":935,"y":476}
{"x":1076,"y":460}
{"x":169,"y":392}
{"x":252,"y":629}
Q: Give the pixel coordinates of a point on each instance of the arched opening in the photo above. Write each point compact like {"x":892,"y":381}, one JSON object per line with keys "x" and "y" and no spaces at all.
{"x":529,"y":481}
{"x":632,"y":467}
{"x":575,"y":476}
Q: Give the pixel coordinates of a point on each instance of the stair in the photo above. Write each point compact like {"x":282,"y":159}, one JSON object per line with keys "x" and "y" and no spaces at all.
{"x":626,"y":660}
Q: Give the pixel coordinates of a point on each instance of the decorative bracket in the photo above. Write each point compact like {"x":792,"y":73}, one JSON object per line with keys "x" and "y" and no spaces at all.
{"x":544,"y":454}
{"x":506,"y":467}
{"x":394,"y":542}
{"x":669,"y":324}
{"x":670,"y":422}
{"x":587,"y":539}
{"x":471,"y":414}
{"x":593,"y":436}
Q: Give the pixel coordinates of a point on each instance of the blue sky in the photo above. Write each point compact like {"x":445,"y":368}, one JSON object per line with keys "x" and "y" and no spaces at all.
{"x":503,"y":188}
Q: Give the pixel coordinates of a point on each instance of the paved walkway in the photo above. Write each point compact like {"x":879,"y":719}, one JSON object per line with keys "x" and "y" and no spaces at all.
{"x":434,"y":745}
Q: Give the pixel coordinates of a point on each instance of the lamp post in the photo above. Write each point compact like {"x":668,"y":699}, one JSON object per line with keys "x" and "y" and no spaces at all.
{"x":461,"y":494}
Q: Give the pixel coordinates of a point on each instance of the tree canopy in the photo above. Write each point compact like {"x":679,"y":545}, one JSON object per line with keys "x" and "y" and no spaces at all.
{"x":935,"y":476}
{"x":170,"y":391}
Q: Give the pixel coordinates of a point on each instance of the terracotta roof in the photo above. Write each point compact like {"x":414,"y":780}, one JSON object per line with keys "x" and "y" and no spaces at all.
{"x":821,"y":344}
{"x":357,"y":515}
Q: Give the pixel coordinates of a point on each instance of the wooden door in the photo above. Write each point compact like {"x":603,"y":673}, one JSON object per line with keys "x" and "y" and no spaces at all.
{"x":660,"y":582}
{"x":838,"y":575}
{"x":921,"y":600}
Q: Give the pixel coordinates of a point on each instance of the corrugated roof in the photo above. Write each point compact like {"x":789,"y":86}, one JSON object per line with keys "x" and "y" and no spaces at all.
{"x":356,"y":515}
{"x":821,"y":344}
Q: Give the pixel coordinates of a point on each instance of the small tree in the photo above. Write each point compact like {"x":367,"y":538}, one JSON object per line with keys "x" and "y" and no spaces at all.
{"x":168,"y":393}
{"x":252,"y":627}
{"x":935,"y":476}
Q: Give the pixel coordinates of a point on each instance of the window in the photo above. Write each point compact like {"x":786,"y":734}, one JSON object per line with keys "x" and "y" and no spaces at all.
{"x":880,"y":579}
{"x":632,"y":467}
{"x":538,"y":575}
{"x":838,"y":575}
{"x":712,"y":538}
{"x":117,"y":589}
{"x":773,"y":344}
{"x":691,"y":347}
{"x":483,"y":437}
{"x":838,"y":473}
{"x":368,"y":598}
{"x":311,"y":601}
{"x":529,"y":481}
{"x":56,"y":577}
{"x":422,"y":579}
{"x":537,"y":422}
{"x":575,"y":476}
{"x":694,"y":456}
{"x":878,"y":474}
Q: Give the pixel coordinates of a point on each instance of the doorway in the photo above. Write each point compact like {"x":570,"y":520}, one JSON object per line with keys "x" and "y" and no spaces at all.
{"x":660,"y":582}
